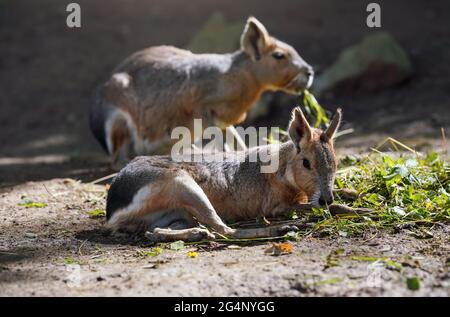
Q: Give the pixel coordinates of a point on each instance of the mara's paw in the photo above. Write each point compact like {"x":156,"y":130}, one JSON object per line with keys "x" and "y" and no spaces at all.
{"x":198,"y":234}
{"x":154,"y":237}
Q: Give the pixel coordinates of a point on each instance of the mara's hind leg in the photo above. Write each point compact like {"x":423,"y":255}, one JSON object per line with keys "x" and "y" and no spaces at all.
{"x":193,"y":199}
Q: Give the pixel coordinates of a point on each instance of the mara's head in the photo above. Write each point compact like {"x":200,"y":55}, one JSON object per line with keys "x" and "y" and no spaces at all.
{"x":276,"y":64}
{"x":314,"y":165}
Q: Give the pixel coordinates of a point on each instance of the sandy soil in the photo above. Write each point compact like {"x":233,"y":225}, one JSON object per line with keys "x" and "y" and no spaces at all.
{"x":59,"y":250}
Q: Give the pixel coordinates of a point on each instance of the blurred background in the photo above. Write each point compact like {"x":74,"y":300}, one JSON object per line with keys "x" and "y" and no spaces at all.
{"x":48,"y":71}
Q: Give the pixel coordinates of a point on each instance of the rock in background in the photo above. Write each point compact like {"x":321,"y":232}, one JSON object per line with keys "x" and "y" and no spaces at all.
{"x":217,"y":36}
{"x":377,"y":62}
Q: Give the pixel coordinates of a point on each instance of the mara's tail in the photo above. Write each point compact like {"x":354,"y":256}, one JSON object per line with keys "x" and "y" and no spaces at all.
{"x":98,"y":114}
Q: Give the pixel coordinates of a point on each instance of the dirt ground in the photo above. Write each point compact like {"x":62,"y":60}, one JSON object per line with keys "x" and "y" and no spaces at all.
{"x":47,"y":74}
{"x":59,"y":250}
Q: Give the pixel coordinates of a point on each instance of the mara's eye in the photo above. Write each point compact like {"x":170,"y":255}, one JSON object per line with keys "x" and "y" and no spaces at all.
{"x":278,"y":55}
{"x":306,"y":164}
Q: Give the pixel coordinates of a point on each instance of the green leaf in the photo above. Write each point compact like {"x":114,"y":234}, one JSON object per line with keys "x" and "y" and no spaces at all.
{"x":365,"y":258}
{"x":388,"y":262}
{"x":27,"y":203}
{"x":313,"y":108}
{"x":292,"y":215}
{"x":291,"y":236}
{"x":97,"y":213}
{"x":388,"y":161}
{"x":374,"y":199}
{"x":70,"y":260}
{"x":152,"y":253}
{"x":413,"y":283}
{"x":177,"y":245}
{"x":339,"y":183}
{"x":330,"y":281}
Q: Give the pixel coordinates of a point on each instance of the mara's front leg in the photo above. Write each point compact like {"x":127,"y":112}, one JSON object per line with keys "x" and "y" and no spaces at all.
{"x":272,"y":231}
{"x":231,"y":137}
{"x":266,"y":232}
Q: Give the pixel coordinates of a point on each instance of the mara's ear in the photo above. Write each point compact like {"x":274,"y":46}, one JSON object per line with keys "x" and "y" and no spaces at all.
{"x":334,"y":125}
{"x":255,"y":38}
{"x":299,"y":129}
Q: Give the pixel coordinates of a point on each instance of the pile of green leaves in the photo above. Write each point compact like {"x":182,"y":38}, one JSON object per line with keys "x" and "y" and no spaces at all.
{"x":405,"y":190}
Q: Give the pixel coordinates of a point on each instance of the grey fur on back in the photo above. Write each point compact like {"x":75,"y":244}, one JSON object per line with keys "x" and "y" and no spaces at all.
{"x":238,"y":183}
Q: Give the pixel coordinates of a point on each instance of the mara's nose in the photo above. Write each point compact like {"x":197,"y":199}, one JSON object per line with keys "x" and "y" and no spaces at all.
{"x":326,"y":200}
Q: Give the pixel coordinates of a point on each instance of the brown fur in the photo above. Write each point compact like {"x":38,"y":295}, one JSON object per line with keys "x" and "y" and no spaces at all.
{"x":177,"y":194}
{"x":163,"y":87}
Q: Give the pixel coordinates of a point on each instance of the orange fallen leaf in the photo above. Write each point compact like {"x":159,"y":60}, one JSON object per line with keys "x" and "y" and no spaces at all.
{"x":279,"y":248}
{"x":286,"y":247}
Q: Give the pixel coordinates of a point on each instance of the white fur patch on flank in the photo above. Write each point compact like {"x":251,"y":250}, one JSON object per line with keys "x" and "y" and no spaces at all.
{"x":136,"y":205}
{"x":110,"y":122}
{"x":121,"y":80}
{"x":141,"y":146}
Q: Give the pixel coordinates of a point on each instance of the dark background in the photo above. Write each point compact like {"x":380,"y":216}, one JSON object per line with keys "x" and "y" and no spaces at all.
{"x":48,"y":71}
